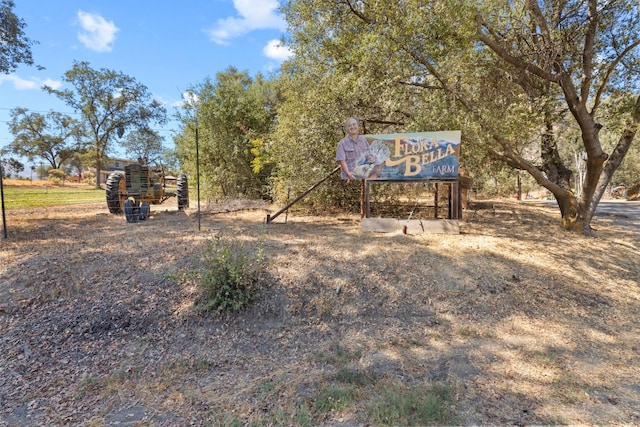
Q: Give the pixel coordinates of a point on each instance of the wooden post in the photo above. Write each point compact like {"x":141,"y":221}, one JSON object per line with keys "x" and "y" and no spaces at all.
{"x":454,"y":205}
{"x":435,"y":203}
{"x":461,"y":200}
{"x":362,"y":199}
{"x":367,"y":201}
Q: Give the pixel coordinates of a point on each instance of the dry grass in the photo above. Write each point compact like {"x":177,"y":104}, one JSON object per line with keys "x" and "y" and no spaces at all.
{"x":520,"y":321}
{"x":43,"y":183}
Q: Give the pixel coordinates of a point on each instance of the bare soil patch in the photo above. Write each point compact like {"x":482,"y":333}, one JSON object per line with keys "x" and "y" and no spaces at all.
{"x":526,"y":323}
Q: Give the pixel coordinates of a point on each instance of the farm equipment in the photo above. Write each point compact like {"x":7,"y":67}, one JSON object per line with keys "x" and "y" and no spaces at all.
{"x":140,"y":186}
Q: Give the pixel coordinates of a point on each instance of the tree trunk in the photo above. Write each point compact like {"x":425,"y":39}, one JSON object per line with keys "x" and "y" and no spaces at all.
{"x":98,"y":169}
{"x":569,"y":210}
{"x":552,"y":164}
{"x":560,"y":175}
{"x":617,"y":155}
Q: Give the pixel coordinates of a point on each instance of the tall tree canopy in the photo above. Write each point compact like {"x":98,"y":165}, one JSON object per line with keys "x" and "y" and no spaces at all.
{"x":53,"y":137}
{"x":235,"y":114}
{"x":110,"y":103}
{"x":518,"y":73}
{"x":15,"y":46}
{"x":145,"y":145}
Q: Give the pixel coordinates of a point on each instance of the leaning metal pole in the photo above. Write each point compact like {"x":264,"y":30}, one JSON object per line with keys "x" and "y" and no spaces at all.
{"x":272,"y":217}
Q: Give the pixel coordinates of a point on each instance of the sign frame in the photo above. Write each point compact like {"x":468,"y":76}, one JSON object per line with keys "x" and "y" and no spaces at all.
{"x":410,"y":156}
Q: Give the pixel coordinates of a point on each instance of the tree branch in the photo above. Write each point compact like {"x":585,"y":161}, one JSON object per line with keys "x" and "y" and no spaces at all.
{"x":609,"y":73}
{"x":359,"y":14}
{"x":421,"y":85}
{"x":502,"y":52}
{"x":588,"y":50}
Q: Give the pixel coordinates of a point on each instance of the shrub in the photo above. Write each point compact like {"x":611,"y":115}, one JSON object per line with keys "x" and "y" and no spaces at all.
{"x":229,"y":274}
{"x":88,"y":177}
{"x":633,"y":191}
{"x":56,"y":176}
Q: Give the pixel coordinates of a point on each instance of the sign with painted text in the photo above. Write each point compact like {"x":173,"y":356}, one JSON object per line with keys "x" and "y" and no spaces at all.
{"x":407,"y":156}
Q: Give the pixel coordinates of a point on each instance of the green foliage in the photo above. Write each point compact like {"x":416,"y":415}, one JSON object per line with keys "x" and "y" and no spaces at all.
{"x":56,"y":176}
{"x":344,"y":66}
{"x":356,"y":377}
{"x":339,"y":355}
{"x":88,"y":177}
{"x":15,"y":47}
{"x":170,"y":161}
{"x":145,"y":145}
{"x":304,"y":142}
{"x":474,"y":66}
{"x":615,"y":113}
{"x":229,"y":274}
{"x":310,"y":124}
{"x":233,"y":116}
{"x":398,"y":405}
{"x":332,"y":399}
{"x":10,"y":165}
{"x":110,"y":103}
{"x":53,"y":137}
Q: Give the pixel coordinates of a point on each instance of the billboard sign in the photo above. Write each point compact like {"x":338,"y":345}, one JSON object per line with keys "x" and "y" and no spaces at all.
{"x":407,"y":156}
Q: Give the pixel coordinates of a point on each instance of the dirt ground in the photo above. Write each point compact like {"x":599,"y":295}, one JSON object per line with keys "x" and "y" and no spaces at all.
{"x":525,"y":323}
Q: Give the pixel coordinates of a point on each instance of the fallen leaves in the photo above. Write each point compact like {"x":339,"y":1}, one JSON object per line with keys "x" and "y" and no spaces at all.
{"x":97,"y":325}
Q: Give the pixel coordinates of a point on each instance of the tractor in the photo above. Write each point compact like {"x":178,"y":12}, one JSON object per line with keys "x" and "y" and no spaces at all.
{"x":140,"y":186}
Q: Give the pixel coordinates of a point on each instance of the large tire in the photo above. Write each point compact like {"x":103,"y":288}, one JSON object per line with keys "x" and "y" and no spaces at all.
{"x":113,"y":193}
{"x":131,"y":211}
{"x":182,"y":192}
{"x":145,"y":211}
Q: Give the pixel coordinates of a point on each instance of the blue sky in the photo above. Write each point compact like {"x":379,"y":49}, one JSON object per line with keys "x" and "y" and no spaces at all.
{"x":165,"y":45}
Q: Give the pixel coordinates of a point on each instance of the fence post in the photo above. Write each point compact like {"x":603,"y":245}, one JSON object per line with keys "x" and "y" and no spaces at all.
{"x":4,"y":218}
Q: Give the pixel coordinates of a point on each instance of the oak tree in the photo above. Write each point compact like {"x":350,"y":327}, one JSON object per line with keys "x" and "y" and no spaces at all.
{"x":53,"y":137}
{"x":15,"y":46}
{"x":145,"y":145}
{"x":518,"y":71}
{"x":110,"y":104}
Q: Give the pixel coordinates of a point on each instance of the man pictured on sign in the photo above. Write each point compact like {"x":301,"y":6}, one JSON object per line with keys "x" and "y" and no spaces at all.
{"x":356,"y":159}
{"x":415,"y":155}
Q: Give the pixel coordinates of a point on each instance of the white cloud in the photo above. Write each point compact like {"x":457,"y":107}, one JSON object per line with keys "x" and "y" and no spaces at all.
{"x":275,"y":50}
{"x":97,"y":33}
{"x":177,"y":104}
{"x":18,"y":83}
{"x":22,"y":84}
{"x":189,"y":100}
{"x":254,"y":15}
{"x":190,"y":97}
{"x":53,"y":84}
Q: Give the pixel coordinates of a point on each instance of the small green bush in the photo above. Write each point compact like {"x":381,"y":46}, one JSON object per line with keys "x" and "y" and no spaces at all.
{"x":230,"y":272}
